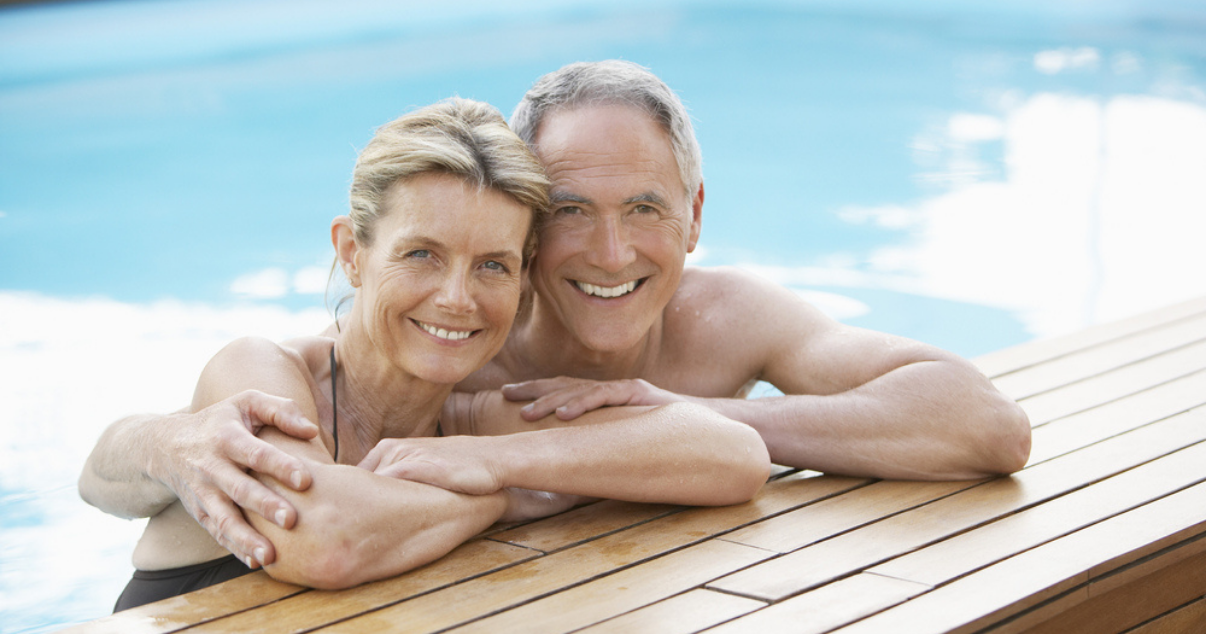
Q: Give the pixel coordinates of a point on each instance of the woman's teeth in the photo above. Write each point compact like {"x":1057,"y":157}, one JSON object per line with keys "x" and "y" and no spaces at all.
{"x":453,"y":335}
{"x":607,"y":291}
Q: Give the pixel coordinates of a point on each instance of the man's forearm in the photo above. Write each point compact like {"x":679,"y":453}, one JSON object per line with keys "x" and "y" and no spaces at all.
{"x":678,"y":453}
{"x":927,"y":420}
{"x":115,"y":478}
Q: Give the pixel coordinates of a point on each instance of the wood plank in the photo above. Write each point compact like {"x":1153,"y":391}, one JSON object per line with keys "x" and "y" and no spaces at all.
{"x":202,"y":606}
{"x":1127,"y":606}
{"x":827,"y":607}
{"x":1073,"y":432}
{"x":689,"y":612}
{"x":1011,"y":359}
{"x":1115,"y":384}
{"x":826,"y":561}
{"x":813,"y":523}
{"x":1187,"y":618}
{"x":1111,"y":355}
{"x":533,"y":579}
{"x":582,"y":524}
{"x":621,"y":592}
{"x":301,"y":613}
{"x":944,"y":561}
{"x":1061,"y":567}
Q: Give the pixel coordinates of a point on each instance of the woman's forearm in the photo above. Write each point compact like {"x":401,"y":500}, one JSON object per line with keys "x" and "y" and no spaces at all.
{"x":355,"y":526}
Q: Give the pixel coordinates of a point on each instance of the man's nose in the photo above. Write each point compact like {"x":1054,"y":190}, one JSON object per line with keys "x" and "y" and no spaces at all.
{"x":454,"y":294}
{"x":611,"y":246}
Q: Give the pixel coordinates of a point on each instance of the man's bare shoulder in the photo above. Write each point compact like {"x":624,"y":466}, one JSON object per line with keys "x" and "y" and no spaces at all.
{"x":722,"y":295}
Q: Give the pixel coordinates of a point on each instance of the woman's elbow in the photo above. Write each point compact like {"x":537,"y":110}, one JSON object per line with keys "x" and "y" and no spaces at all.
{"x":331,"y":566}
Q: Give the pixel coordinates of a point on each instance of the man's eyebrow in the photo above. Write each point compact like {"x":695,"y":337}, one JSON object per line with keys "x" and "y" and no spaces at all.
{"x":567,"y":197}
{"x":647,"y":197}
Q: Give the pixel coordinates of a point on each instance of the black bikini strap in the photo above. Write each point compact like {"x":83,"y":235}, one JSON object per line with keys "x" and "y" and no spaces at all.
{"x":334,"y":404}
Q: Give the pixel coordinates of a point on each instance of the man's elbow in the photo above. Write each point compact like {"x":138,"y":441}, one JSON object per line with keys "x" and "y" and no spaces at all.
{"x":1008,"y":446}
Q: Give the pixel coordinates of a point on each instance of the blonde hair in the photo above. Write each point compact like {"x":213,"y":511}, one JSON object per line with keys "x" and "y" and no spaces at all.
{"x":461,"y":137}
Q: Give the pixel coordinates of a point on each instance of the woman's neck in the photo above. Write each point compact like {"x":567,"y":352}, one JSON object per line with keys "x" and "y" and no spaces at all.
{"x":376,"y":399}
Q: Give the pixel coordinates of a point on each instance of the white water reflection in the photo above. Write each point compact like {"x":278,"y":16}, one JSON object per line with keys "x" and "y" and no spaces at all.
{"x":1100,"y":213}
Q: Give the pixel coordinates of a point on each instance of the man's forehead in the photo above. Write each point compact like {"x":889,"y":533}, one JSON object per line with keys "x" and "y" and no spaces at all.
{"x":617,"y":146}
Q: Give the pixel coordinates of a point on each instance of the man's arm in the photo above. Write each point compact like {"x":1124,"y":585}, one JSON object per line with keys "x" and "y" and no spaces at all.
{"x":858,"y":402}
{"x":141,"y":464}
{"x":678,"y":454}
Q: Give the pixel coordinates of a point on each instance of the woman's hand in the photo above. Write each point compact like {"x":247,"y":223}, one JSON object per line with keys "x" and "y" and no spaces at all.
{"x":570,"y":398}
{"x":464,"y":464}
{"x":526,"y":504}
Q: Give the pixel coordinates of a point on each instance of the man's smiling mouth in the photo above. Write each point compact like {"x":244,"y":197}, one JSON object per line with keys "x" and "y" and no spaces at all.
{"x":608,"y":292}
{"x":451,"y":335}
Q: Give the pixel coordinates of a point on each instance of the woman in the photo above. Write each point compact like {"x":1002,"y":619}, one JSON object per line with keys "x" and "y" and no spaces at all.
{"x":445,"y":203}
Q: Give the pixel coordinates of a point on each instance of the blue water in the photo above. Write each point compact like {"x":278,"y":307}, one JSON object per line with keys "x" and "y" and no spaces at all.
{"x":972,"y":174}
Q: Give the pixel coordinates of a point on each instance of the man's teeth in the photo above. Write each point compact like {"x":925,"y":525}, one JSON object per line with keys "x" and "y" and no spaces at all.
{"x":453,"y":335}
{"x":607,"y":291}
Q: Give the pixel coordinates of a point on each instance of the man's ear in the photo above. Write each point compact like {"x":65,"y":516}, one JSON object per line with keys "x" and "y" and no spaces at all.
{"x":696,"y":218}
{"x":343,"y":238}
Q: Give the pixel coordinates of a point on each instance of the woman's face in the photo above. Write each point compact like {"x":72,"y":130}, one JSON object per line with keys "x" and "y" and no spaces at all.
{"x":439,"y":287}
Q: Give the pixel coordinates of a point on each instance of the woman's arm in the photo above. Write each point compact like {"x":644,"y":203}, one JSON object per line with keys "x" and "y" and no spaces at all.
{"x":679,"y":453}
{"x":352,"y":526}
{"x":355,"y":526}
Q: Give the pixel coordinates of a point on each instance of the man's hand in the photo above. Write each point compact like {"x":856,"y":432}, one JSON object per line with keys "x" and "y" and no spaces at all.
{"x":463,"y":464}
{"x":205,"y":462}
{"x":570,"y":398}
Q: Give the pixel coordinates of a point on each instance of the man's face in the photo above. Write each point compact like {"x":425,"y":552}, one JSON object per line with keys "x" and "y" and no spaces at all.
{"x":612,"y":254}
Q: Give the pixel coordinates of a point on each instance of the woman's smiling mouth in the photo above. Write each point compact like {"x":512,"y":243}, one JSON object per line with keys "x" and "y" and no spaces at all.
{"x":450,"y":335}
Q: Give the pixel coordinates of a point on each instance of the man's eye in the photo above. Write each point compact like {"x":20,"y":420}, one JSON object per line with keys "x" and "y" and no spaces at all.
{"x":571,"y":211}
{"x":494,"y":265}
{"x":419,"y":253}
{"x":644,"y":209}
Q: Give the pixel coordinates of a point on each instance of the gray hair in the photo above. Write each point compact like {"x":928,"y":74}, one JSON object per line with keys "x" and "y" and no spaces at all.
{"x":460,"y":137}
{"x":607,"y":83}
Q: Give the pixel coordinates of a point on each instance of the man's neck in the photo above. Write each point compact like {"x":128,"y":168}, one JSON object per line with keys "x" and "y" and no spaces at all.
{"x":542,"y":347}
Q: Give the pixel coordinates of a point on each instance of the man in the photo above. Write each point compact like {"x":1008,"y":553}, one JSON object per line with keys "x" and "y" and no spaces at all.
{"x":616,"y":318}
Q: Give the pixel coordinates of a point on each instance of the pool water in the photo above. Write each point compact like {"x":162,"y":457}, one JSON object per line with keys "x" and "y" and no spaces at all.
{"x":971,"y":174}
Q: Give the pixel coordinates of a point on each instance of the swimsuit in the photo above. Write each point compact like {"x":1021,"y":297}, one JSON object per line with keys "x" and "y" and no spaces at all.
{"x":148,"y":586}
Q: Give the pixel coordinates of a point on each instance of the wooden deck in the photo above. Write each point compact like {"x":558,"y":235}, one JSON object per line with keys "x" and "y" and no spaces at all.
{"x":1102,"y":532}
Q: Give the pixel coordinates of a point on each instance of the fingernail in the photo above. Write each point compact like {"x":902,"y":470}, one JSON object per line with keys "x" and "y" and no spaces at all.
{"x":281,"y":516}
{"x":250,"y":562}
{"x":260,"y":554}
{"x":296,"y":479}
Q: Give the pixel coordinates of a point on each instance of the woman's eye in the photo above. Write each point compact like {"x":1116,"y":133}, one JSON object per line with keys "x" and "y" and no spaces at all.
{"x":419,"y":253}
{"x":495,"y":265}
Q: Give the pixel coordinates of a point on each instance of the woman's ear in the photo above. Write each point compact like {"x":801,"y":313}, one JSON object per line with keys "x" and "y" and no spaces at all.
{"x":343,"y":238}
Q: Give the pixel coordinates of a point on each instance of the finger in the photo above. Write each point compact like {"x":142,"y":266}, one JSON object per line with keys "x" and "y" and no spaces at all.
{"x":529,"y":390}
{"x":373,"y":459}
{"x":602,"y":395}
{"x":229,"y":528}
{"x":251,"y":494}
{"x":553,"y":402}
{"x":264,"y":457}
{"x":281,"y":413}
